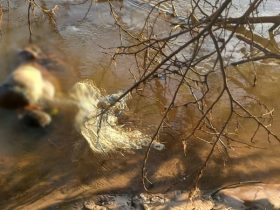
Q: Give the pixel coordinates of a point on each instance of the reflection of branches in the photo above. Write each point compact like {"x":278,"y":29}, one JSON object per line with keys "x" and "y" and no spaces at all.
{"x":78,"y":3}
{"x":29,"y":21}
{"x":50,"y":13}
{"x":88,"y":10}
{"x":119,"y":23}
{"x":1,"y":15}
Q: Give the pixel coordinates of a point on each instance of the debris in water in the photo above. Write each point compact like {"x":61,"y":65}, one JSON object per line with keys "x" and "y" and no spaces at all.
{"x":101,"y":130}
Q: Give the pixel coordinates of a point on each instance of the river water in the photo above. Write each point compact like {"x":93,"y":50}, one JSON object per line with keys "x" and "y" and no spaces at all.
{"x":43,"y":167}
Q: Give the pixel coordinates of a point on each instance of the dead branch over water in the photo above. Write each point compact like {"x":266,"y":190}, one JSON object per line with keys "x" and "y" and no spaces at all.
{"x":160,"y":56}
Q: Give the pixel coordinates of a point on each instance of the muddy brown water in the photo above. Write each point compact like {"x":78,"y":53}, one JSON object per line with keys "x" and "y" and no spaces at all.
{"x":42,"y":168}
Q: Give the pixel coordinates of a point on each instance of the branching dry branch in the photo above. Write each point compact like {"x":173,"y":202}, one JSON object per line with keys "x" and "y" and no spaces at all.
{"x":180,"y":63}
{"x":189,"y":54}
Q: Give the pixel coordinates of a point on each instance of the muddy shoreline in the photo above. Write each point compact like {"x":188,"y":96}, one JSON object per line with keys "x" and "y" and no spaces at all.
{"x":256,"y":196}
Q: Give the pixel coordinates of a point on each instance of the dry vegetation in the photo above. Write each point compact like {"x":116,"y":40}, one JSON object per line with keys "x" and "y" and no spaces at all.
{"x":180,"y":55}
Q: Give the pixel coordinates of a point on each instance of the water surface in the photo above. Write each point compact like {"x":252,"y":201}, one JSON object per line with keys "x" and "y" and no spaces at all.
{"x":41,"y":167}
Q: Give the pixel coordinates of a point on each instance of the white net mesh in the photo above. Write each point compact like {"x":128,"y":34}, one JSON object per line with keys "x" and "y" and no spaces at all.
{"x":102,"y":132}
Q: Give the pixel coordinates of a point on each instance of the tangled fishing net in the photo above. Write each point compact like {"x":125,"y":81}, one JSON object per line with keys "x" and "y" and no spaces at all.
{"x":102,"y":130}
